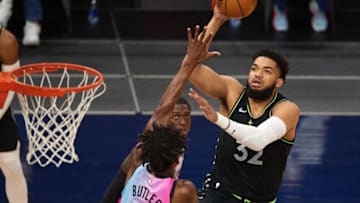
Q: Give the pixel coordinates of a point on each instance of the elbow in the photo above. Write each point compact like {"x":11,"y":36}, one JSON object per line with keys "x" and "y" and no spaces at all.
{"x":255,"y":144}
{"x":256,"y":148}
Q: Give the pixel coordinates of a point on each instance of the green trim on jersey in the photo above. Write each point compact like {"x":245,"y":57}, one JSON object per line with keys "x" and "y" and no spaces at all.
{"x":247,"y":200}
{"x":266,"y":107}
{"x":237,"y":102}
{"x":287,"y":141}
{"x":248,"y":107}
{"x":270,"y":112}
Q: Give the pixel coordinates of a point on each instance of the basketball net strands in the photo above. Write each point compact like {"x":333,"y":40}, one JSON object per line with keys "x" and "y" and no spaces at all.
{"x":54,"y":98}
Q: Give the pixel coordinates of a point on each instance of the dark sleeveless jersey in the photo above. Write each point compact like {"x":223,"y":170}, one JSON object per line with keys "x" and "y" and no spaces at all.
{"x":8,"y":128}
{"x":247,"y":173}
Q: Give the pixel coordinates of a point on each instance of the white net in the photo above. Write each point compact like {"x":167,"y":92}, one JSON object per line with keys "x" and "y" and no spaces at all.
{"x":52,"y":122}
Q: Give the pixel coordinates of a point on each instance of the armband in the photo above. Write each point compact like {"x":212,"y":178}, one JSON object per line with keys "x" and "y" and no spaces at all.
{"x":222,"y":121}
{"x":8,"y":68}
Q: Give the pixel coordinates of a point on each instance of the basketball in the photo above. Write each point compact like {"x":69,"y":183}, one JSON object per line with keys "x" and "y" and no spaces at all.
{"x":236,"y":8}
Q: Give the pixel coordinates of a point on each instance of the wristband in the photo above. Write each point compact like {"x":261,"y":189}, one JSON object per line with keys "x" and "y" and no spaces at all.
{"x":222,"y":121}
{"x":11,"y":67}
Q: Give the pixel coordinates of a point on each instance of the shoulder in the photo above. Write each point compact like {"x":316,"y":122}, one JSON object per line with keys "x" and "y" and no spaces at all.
{"x":185,"y":191}
{"x":233,"y":90}
{"x":287,"y":106}
{"x":184,"y":187}
{"x":289,"y":113}
{"x":132,"y":161}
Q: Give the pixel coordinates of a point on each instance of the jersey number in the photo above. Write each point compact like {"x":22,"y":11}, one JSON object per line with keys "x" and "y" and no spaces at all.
{"x":242,"y":155}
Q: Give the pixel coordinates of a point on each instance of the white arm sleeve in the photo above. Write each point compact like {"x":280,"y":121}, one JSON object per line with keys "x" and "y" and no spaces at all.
{"x":255,"y":138}
{"x":10,"y":96}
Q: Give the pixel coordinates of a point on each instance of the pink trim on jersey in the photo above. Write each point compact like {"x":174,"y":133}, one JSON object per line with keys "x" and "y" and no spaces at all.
{"x":144,"y":187}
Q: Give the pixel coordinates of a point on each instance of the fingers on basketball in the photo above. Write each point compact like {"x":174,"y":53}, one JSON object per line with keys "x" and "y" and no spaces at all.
{"x":237,"y":9}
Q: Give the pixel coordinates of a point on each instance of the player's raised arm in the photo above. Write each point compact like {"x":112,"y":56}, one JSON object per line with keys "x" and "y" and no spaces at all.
{"x":169,"y":103}
{"x":219,"y":85}
{"x":194,"y":55}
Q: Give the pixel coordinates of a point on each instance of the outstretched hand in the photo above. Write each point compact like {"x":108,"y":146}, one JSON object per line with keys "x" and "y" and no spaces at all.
{"x":206,"y":108}
{"x":197,"y":45}
{"x":217,"y":13}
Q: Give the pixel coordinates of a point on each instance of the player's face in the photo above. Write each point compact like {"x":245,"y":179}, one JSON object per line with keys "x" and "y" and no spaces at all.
{"x":181,"y":118}
{"x":264,"y":78}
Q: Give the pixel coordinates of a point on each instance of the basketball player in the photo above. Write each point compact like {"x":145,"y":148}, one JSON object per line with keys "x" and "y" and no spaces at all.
{"x":154,"y":161}
{"x":10,"y":165}
{"x":258,"y":127}
{"x":180,"y":117}
{"x":172,"y":109}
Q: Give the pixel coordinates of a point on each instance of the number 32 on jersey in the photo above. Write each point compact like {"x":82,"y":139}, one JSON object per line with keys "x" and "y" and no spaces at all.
{"x":243,"y":155}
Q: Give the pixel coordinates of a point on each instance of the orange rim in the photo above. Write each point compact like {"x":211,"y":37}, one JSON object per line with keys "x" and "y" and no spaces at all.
{"x":11,"y":84}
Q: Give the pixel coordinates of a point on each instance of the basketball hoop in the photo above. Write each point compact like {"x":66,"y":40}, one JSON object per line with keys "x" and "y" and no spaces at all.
{"x":54,"y":98}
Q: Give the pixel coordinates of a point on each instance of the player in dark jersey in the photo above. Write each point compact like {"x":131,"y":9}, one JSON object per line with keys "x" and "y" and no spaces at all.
{"x":258,"y":125}
{"x":10,"y":164}
{"x":172,"y":109}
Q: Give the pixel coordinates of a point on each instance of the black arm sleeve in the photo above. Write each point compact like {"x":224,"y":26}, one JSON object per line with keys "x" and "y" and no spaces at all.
{"x":117,"y":184}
